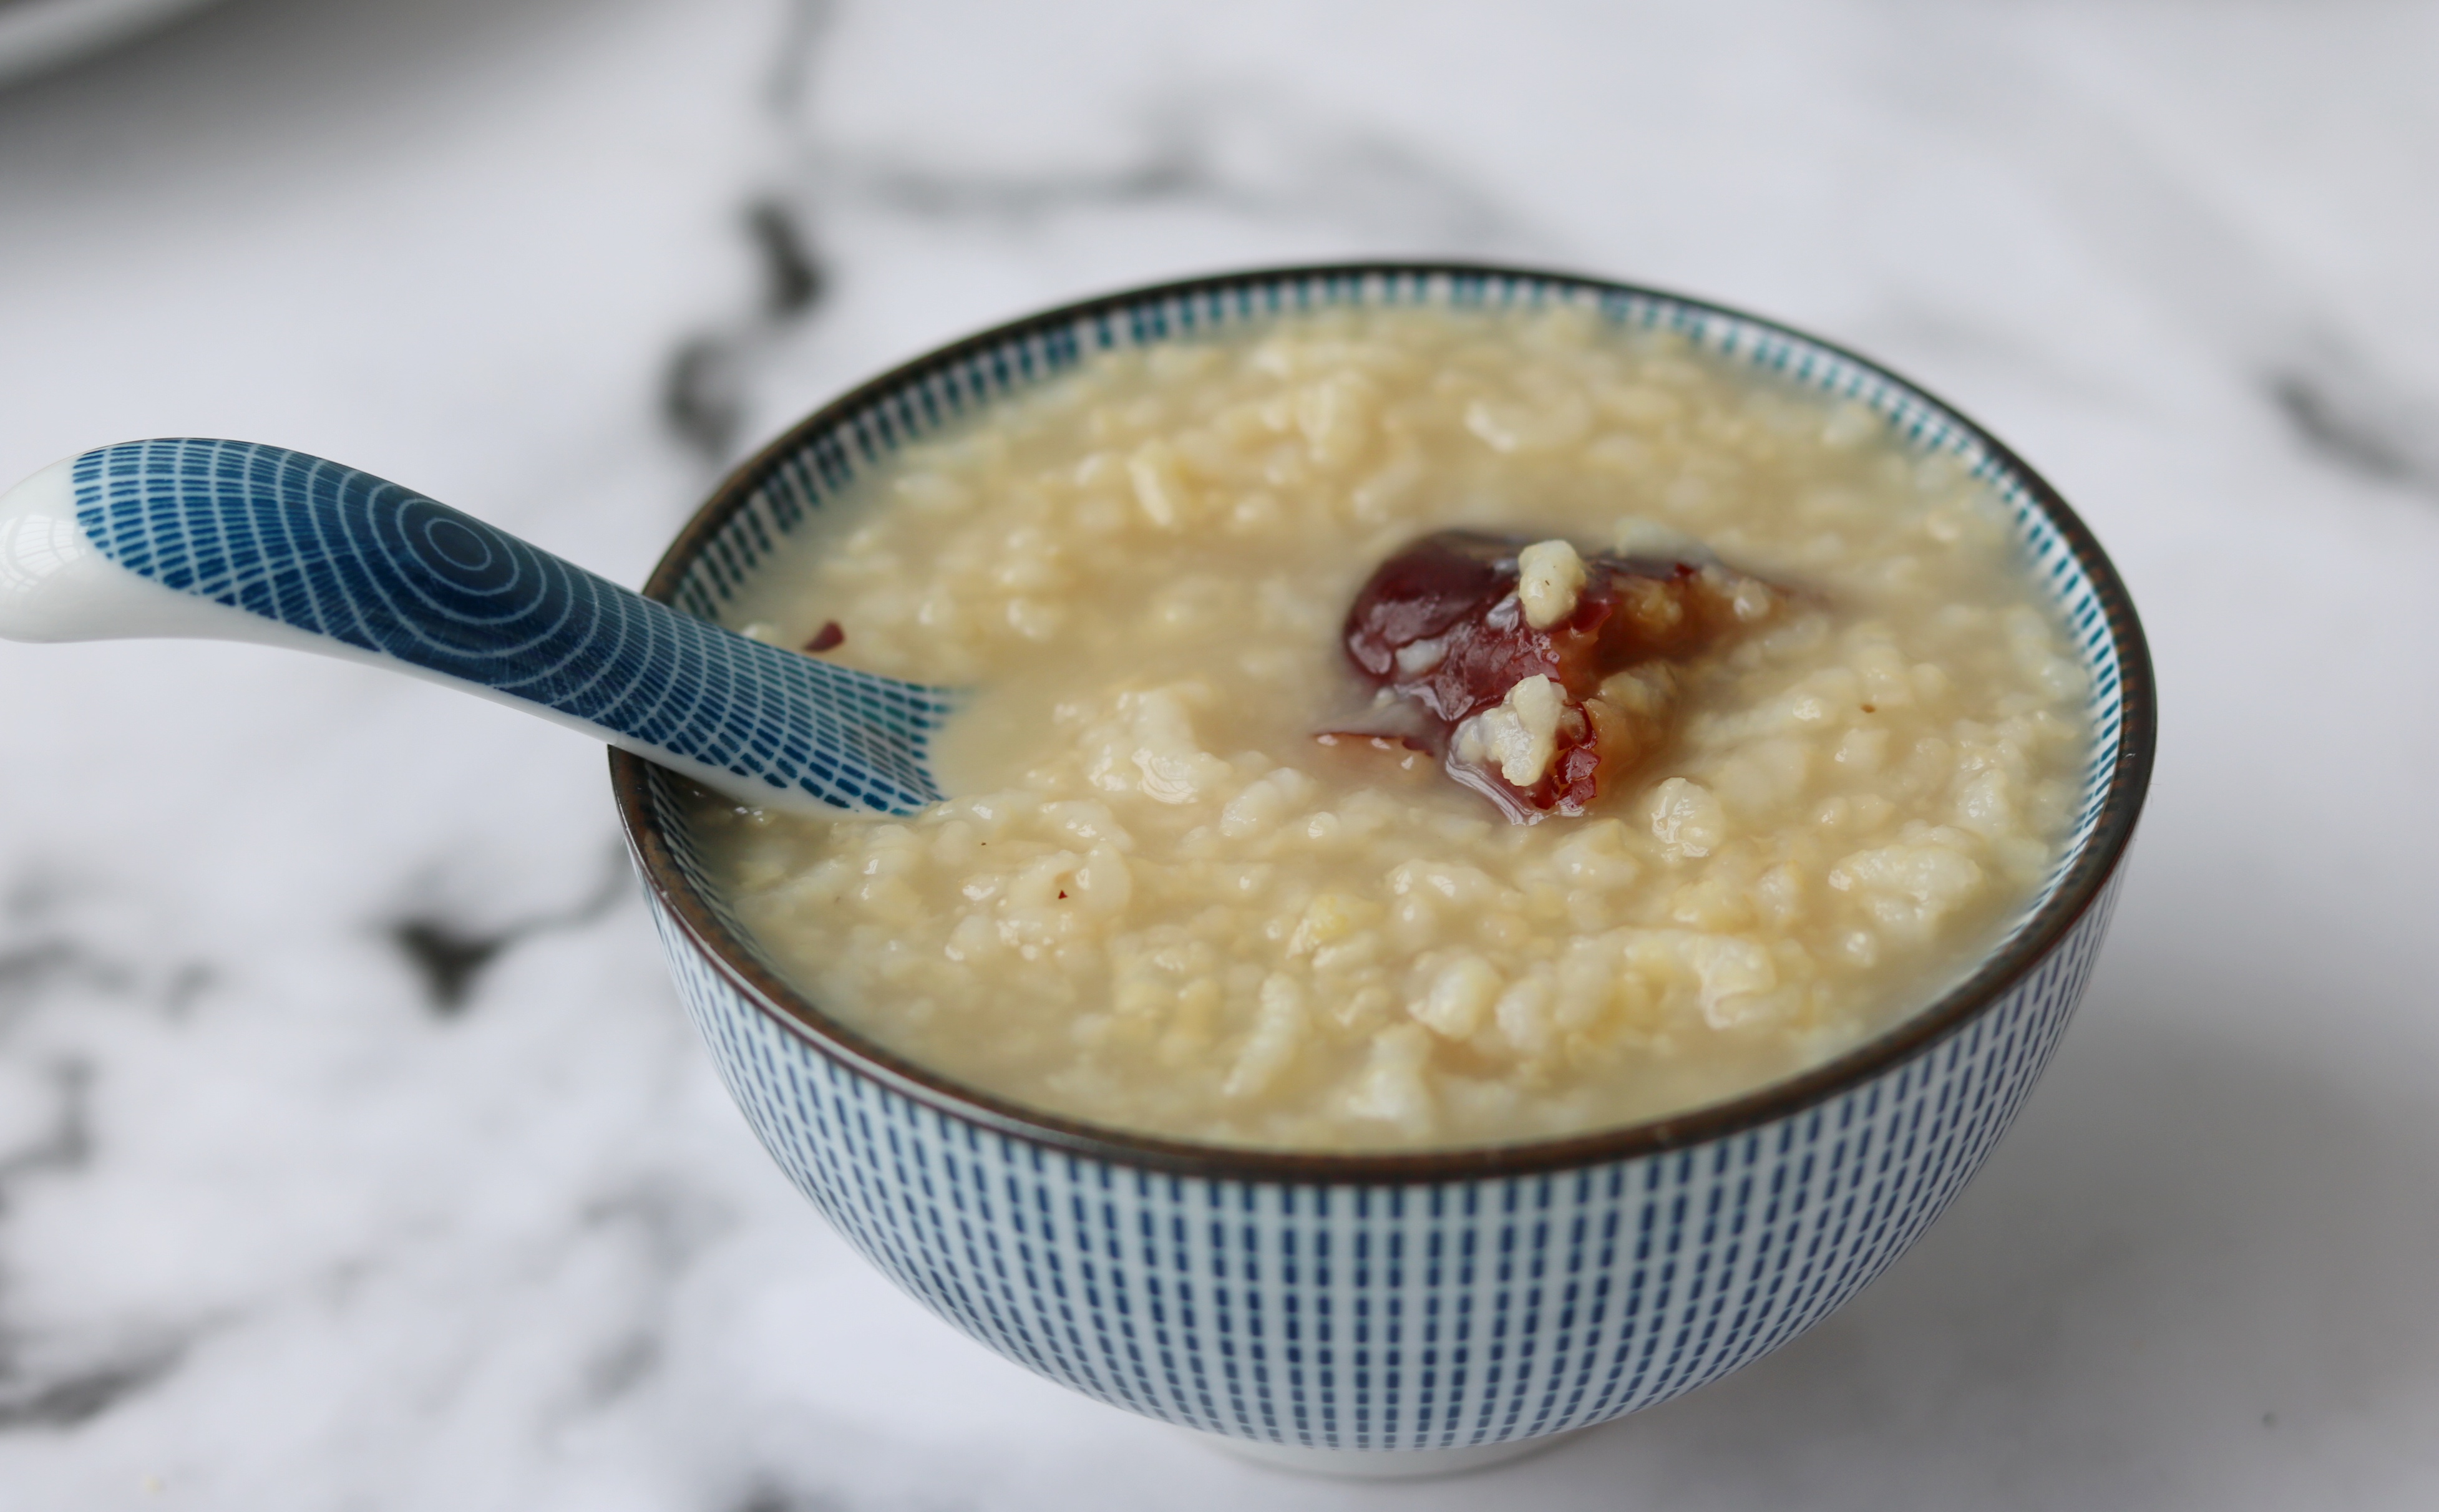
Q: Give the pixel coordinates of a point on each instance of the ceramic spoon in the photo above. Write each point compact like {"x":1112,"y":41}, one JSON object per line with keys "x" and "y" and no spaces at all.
{"x":231,"y":540}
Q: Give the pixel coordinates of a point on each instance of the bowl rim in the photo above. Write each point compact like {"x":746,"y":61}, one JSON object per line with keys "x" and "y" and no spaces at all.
{"x":2083,"y":887}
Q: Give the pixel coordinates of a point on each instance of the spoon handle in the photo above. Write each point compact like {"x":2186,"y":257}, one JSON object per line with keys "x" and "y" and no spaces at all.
{"x":234,"y":540}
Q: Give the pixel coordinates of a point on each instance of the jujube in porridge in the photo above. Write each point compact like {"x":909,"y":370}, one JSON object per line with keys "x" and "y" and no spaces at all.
{"x":1759,"y":735}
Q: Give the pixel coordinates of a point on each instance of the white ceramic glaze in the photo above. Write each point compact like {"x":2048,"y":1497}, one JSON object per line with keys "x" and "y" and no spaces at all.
{"x":57,"y":585}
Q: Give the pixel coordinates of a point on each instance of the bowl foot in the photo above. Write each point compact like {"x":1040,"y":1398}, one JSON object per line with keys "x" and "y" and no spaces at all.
{"x":1378,"y":1464}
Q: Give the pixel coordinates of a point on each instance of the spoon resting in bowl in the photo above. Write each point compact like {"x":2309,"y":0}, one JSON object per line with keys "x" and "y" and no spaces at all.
{"x":234,"y":540}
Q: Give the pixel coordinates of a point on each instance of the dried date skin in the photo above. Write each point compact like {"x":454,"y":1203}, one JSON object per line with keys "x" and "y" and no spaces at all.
{"x":1441,"y":627}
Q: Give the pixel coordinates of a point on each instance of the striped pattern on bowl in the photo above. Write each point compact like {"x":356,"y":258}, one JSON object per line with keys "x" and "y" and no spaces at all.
{"x":1391,"y":1303}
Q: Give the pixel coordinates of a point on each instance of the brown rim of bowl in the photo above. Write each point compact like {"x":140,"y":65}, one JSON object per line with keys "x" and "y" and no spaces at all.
{"x":2077,"y":892}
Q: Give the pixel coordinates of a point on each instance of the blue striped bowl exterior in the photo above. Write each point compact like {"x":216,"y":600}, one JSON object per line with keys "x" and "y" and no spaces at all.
{"x":1363,"y":1306}
{"x":1386,"y":1316}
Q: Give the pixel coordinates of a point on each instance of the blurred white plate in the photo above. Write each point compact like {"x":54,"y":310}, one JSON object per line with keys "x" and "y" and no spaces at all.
{"x":36,"y":35}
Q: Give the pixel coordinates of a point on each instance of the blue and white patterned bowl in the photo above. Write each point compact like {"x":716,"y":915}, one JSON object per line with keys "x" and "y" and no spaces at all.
{"x":1403,"y":1312}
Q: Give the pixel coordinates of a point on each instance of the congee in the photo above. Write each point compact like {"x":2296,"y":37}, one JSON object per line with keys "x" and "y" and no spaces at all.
{"x":1410,"y":728}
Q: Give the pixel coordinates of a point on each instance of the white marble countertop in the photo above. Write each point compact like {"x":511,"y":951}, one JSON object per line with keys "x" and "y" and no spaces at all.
{"x":353,"y":1153}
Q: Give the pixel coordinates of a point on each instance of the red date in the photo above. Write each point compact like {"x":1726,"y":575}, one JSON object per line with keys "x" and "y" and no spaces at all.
{"x":1442,"y":627}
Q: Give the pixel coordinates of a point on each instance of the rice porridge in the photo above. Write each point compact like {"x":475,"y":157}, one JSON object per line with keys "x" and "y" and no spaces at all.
{"x":1759,"y":735}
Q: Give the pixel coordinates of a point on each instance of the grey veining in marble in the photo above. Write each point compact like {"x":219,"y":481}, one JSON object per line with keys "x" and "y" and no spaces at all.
{"x":353,"y":1153}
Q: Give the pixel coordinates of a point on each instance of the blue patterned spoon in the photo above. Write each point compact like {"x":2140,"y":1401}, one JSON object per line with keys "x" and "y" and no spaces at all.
{"x":231,"y":540}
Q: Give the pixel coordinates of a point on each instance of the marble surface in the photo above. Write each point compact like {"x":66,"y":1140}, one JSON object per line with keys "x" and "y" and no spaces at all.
{"x":353,"y":1153}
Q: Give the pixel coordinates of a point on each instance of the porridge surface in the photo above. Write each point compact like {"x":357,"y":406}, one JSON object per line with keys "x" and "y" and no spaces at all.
{"x":1159,"y":903}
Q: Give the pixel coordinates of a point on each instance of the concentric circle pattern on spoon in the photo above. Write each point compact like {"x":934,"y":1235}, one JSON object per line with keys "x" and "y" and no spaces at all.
{"x":236,"y":540}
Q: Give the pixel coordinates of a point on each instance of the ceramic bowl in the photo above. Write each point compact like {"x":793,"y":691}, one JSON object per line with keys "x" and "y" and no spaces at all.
{"x":1387,"y":1313}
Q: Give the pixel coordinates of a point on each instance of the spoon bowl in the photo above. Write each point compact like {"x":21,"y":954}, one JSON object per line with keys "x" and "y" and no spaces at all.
{"x":236,"y":540}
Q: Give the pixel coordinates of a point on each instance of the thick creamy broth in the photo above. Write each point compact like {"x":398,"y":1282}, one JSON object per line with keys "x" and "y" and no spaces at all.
{"x":1158,"y":902}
